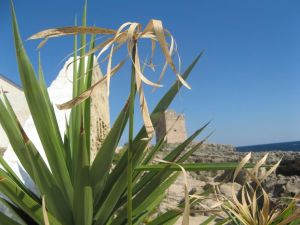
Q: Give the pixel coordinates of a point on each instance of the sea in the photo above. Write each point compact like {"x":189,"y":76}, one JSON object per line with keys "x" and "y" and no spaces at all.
{"x":282,"y":146}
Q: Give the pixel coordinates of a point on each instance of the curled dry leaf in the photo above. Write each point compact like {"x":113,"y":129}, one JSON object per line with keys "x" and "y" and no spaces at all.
{"x":241,"y":165}
{"x":86,"y":94}
{"x":130,"y":33}
{"x":63,"y":31}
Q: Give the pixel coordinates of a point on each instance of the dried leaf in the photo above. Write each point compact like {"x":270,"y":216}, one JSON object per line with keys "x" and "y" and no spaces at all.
{"x":259,"y":164}
{"x":43,"y":42}
{"x":143,"y":104}
{"x":157,"y":27}
{"x":108,"y":71}
{"x":241,"y":165}
{"x":86,"y":94}
{"x":271,"y":170}
{"x":45,"y":214}
{"x":63,"y":31}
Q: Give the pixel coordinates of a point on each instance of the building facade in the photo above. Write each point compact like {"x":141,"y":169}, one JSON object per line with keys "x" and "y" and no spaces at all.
{"x":17,"y":99}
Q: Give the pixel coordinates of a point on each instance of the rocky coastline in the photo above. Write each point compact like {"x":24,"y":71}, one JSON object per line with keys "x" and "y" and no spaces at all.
{"x":284,"y":182}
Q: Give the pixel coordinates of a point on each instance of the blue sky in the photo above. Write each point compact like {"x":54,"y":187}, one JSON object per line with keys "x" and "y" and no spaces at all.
{"x":247,"y":82}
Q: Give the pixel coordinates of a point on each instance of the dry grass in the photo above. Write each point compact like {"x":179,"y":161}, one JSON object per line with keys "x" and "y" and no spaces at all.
{"x":253,"y":207}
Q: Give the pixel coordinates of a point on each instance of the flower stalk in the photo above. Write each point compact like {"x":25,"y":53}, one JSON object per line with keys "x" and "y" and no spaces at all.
{"x":130,"y":141}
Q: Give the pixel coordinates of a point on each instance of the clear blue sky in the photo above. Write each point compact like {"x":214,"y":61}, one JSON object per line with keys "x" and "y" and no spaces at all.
{"x":247,"y":83}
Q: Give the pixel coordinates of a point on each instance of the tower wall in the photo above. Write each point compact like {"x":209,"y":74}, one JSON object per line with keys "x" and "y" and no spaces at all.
{"x":172,"y":124}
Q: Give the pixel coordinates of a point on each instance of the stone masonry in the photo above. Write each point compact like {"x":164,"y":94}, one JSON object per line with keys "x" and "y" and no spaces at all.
{"x":100,"y":116}
{"x":171,"y":126}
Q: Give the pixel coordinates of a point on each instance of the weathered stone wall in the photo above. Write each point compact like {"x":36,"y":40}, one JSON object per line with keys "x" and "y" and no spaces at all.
{"x":17,"y":99}
{"x":173,"y":126}
{"x":100,"y":117}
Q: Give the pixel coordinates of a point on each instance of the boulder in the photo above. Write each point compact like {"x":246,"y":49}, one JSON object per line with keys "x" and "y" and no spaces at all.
{"x":229,"y":189}
{"x":293,"y":185}
{"x":289,"y":166}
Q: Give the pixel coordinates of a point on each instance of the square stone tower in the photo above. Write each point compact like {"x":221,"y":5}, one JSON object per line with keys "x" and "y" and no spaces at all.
{"x":172,"y":126}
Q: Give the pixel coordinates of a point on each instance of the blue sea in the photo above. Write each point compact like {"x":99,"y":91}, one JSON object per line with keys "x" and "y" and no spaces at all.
{"x":283,"y":146}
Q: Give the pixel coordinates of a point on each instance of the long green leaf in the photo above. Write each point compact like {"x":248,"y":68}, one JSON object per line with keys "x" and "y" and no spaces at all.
{"x":79,"y":139}
{"x":139,"y":219}
{"x":23,"y":200}
{"x":103,"y":161}
{"x":170,"y":157}
{"x":49,"y":105}
{"x":143,"y":202}
{"x":87,"y":103}
{"x":33,"y":163}
{"x":18,"y":214}
{"x":192,"y":167}
{"x":208,"y":220}
{"x":174,"y":154}
{"x":117,"y":179}
{"x":77,"y":112}
{"x":5,"y":220}
{"x":166,"y":217}
{"x":15,"y":137}
{"x":48,"y":187}
{"x":83,"y":198}
{"x":155,"y":116}
{"x":50,"y":139}
{"x":171,"y":216}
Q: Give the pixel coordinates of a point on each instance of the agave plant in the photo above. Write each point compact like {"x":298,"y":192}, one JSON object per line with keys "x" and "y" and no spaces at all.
{"x":71,"y":188}
{"x":254,"y":206}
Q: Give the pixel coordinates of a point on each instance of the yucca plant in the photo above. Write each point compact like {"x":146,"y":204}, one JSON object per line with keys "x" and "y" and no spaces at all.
{"x":254,"y":206}
{"x":72,"y":189}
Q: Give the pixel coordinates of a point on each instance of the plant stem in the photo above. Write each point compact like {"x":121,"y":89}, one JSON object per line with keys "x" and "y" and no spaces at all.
{"x":130,"y":142}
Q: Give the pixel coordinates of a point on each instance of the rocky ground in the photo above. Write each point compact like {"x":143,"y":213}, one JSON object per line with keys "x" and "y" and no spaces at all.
{"x":285,"y":182}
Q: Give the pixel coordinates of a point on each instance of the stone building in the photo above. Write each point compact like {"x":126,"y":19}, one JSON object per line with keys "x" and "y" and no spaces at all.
{"x":17,"y":100}
{"x":172,"y":127}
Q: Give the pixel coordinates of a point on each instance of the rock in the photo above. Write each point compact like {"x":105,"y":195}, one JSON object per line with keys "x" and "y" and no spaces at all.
{"x":293,"y":185}
{"x":229,"y":189}
{"x":276,"y":185}
{"x":227,"y":176}
{"x":289,"y":166}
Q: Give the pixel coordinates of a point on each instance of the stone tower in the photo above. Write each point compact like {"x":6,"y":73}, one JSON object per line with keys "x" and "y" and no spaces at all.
{"x":172,"y":126}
